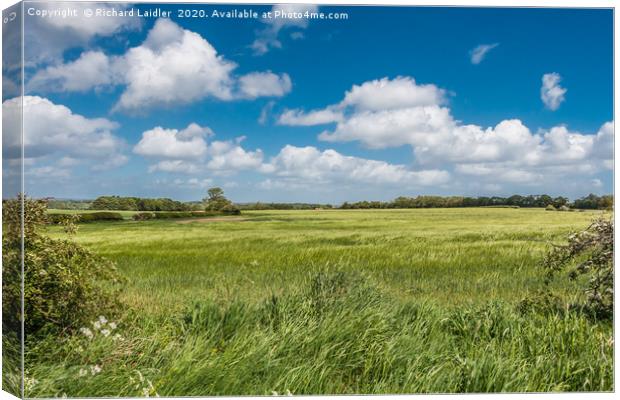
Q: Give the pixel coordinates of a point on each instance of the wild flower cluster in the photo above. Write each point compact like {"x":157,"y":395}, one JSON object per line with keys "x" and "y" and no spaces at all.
{"x":29,"y":383}
{"x":288,"y":393}
{"x":92,"y":369}
{"x":101,"y":326}
{"x":143,"y":385}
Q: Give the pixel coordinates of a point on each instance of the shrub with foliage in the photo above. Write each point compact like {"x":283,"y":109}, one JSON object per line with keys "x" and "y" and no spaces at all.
{"x":143,"y":216}
{"x":167,"y":215}
{"x":174,"y":214}
{"x":138,"y":204}
{"x":550,"y":207}
{"x":215,"y":200}
{"x":69,"y":223}
{"x":65,"y":285}
{"x":61,"y":219}
{"x":589,"y":254}
{"x":230,"y":209}
{"x":101,"y":216}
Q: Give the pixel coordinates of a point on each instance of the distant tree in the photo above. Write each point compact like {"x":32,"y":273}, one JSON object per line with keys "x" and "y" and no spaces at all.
{"x":216,"y":200}
{"x":544,"y":200}
{"x":607,"y":202}
{"x":560,"y":201}
{"x":588,"y":202}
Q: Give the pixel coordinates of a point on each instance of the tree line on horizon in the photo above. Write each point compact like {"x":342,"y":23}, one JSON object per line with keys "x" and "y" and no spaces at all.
{"x":589,"y":202}
{"x":216,"y":198}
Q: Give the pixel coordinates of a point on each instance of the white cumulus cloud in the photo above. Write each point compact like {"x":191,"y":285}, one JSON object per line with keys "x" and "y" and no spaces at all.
{"x":388,"y":113}
{"x":187,"y":151}
{"x":48,"y":38}
{"x":93,"y":69}
{"x":264,"y":84}
{"x":188,"y":143}
{"x":310,"y":165}
{"x":551,"y":93}
{"x":172,"y":67}
{"x":53,"y":133}
{"x":388,"y":94}
{"x":230,"y":156}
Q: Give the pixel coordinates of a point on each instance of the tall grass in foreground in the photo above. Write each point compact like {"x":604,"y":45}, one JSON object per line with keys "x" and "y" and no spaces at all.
{"x":394,"y":301}
{"x":338,"y":333}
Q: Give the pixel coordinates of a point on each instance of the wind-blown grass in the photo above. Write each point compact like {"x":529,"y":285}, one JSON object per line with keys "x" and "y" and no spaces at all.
{"x":394,"y":301}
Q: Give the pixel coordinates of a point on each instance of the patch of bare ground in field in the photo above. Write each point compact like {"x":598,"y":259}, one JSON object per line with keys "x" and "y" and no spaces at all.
{"x":215,"y":219}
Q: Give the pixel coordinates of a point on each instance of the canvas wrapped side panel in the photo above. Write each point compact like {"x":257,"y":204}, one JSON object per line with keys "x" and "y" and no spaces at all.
{"x":12,"y":204}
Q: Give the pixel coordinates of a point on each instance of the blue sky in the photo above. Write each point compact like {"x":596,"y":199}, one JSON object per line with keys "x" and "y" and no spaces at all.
{"x":391,"y":101}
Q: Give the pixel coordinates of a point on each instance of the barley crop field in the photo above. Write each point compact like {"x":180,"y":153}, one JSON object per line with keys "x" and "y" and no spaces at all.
{"x":331,"y":302}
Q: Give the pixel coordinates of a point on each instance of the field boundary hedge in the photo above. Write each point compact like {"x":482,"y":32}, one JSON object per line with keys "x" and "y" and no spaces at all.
{"x":86,"y":217}
{"x":143,"y":216}
{"x":140,"y":216}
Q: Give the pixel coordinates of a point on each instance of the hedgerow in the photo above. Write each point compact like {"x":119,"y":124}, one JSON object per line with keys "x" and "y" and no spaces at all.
{"x":65,"y":284}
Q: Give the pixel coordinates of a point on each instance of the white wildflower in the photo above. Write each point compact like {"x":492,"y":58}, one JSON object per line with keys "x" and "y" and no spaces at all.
{"x":86,"y":332}
{"x":117,"y":337}
{"x":105,"y":332}
{"x":82,"y":372}
{"x":95,"y":369}
{"x":97,"y":325}
{"x":112,"y":325}
{"x":29,"y":382}
{"x":103,"y":320}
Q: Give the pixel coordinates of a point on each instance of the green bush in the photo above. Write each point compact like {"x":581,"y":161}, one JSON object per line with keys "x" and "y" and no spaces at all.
{"x":168,"y":215}
{"x":174,"y":214}
{"x":143,"y":216}
{"x":550,"y":207}
{"x":101,"y":216}
{"x":589,"y":253}
{"x":564,"y":208}
{"x":544,"y":303}
{"x":65,"y":285}
{"x":56,"y":219}
{"x":230,"y":209}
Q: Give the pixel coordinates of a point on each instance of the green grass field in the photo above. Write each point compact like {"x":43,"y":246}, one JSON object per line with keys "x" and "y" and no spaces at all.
{"x":317,"y":302}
